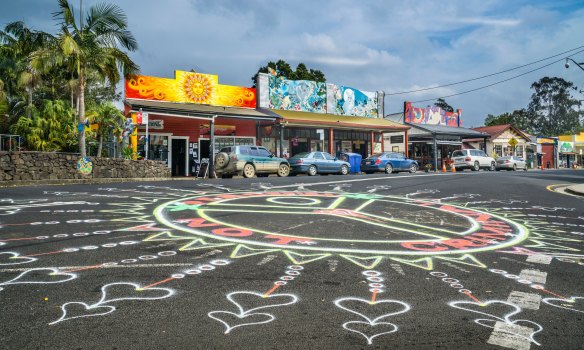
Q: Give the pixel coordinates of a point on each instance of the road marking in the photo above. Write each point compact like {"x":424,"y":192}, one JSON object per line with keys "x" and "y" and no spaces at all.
{"x":533,"y":276}
{"x":360,"y":180}
{"x":511,"y":336}
{"x":103,"y":267}
{"x":540,"y":259}
{"x":525,"y":300}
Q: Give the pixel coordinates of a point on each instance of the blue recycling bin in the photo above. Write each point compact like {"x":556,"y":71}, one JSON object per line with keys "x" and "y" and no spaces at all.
{"x":354,"y":159}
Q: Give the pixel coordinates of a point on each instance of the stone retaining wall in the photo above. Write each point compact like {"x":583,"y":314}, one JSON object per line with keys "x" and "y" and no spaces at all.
{"x":17,"y":166}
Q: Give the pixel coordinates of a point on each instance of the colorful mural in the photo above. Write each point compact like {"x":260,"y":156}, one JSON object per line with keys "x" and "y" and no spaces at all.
{"x":344,"y":100}
{"x":297,"y":95}
{"x":431,"y":115}
{"x":190,"y":87}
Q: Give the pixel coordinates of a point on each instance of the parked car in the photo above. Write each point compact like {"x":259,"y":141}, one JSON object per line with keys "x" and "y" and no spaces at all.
{"x":313,"y":163}
{"x":473,"y":159}
{"x":390,"y":162}
{"x":249,"y":161}
{"x":511,"y":163}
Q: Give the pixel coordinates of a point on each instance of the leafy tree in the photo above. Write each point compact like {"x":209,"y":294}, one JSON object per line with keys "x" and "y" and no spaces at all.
{"x":285,"y":70}
{"x":50,"y":129}
{"x":553,"y":110}
{"x":90,"y":46}
{"x":109,"y":118}
{"x":444,"y":105}
{"x":518,"y":118}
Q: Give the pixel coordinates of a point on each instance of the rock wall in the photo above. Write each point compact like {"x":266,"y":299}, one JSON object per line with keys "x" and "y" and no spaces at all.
{"x":18,"y":166}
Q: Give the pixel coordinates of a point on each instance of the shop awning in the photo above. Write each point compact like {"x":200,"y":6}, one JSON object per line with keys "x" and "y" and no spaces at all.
{"x":426,"y":130}
{"x":337,"y":121}
{"x":191,"y":110}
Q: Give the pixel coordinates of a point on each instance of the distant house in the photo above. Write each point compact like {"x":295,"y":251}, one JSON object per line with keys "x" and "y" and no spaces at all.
{"x":503,"y":140}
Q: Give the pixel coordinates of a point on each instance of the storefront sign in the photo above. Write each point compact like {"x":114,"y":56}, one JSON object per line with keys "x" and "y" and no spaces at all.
{"x":157,"y":124}
{"x":222,"y":130}
{"x":431,"y":115}
{"x":566,"y":147}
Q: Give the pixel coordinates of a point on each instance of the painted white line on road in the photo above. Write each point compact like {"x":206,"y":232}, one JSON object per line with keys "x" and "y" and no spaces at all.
{"x":511,"y":336}
{"x":102,"y":267}
{"x":360,"y":180}
{"x":525,"y":300}
{"x":540,"y":259}
{"x":534,"y":276}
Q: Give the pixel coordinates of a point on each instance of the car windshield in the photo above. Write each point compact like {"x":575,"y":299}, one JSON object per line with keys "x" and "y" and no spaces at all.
{"x":302,"y":155}
{"x":458,"y":154}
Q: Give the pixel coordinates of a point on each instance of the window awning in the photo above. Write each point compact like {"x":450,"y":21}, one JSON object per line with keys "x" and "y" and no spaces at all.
{"x":337,"y":121}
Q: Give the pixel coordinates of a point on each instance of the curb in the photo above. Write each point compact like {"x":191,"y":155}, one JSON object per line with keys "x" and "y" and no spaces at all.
{"x":574,"y":192}
{"x":20,"y":183}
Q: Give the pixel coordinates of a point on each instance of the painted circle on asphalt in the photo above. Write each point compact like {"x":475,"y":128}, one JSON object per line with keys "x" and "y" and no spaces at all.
{"x":359,"y":223}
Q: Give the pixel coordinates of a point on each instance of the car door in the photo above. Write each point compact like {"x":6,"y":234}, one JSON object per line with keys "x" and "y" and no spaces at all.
{"x":268,"y":161}
{"x":319,"y":161}
{"x":256,"y":159}
{"x":334,"y":165}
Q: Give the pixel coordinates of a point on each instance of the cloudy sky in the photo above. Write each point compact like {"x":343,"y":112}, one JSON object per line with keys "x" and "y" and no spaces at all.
{"x":371,"y":45}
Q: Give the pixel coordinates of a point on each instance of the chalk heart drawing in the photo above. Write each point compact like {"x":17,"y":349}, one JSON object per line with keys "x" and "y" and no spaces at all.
{"x":577,"y":303}
{"x":372,"y":312}
{"x":504,"y":308}
{"x":47,"y":275}
{"x":231,"y":320}
{"x":370,"y":330}
{"x":76,"y":309}
{"x":131,"y":291}
{"x":13,"y":258}
{"x":248,"y":302}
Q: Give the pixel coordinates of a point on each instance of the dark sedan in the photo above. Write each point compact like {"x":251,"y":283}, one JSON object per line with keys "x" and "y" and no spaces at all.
{"x":313,"y":163}
{"x":389,"y":162}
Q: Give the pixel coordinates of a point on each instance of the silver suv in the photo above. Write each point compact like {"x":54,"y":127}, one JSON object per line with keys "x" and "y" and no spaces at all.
{"x":473,"y":159}
{"x":249,"y":161}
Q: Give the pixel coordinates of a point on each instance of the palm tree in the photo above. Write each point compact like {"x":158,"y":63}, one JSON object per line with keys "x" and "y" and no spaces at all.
{"x":90,"y":46}
{"x":108,"y":117}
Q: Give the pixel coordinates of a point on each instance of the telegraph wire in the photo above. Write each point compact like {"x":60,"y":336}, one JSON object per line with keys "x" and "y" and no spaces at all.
{"x":488,"y":75}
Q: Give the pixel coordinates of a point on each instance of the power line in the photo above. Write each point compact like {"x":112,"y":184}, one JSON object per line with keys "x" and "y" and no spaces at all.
{"x":496,"y":83}
{"x":488,"y":75}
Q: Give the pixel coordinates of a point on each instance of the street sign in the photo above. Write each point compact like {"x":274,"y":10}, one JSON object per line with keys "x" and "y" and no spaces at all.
{"x":139,"y":118}
{"x":513,"y":142}
{"x":144,"y":119}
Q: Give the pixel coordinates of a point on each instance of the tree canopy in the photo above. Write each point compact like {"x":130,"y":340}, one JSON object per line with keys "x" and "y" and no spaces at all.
{"x":444,"y":105}
{"x":285,"y":70}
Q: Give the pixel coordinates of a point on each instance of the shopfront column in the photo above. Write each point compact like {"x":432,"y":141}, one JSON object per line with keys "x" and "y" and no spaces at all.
{"x":435,"y":152}
{"x":331,"y":141}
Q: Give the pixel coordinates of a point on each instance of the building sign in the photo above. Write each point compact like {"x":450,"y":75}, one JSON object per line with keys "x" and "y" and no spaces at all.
{"x":541,"y":140}
{"x":343,"y":100}
{"x":157,"y":124}
{"x":297,"y":95}
{"x":222,"y":130}
{"x":190,"y":87}
{"x":431,"y":115}
{"x":566,"y":147}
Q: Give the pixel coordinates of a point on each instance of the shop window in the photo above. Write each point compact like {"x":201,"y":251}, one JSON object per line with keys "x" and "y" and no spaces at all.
{"x":519,"y":151}
{"x":499,"y":150}
{"x":397,"y":139}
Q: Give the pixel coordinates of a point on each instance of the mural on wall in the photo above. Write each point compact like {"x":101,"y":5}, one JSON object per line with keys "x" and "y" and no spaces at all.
{"x":566,"y":146}
{"x":190,"y":87}
{"x":297,"y":95}
{"x":344,"y":100}
{"x":431,"y":115}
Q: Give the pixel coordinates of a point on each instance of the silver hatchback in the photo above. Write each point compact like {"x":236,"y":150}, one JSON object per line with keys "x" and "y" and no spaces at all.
{"x":511,"y":163}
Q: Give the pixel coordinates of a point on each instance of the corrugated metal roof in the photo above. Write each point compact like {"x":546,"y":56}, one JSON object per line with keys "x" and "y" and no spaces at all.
{"x":445,"y":130}
{"x":331,"y":120}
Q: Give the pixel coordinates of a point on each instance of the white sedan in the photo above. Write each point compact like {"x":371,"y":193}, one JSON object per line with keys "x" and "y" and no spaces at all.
{"x":511,"y":163}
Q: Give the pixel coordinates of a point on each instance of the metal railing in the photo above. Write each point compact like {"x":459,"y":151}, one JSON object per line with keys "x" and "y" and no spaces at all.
{"x":10,"y":143}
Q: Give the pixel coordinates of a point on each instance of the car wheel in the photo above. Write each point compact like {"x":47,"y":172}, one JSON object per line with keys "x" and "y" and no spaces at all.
{"x":514,"y":167}
{"x":525,"y":168}
{"x":312,"y":170}
{"x":476,"y":166}
{"x":248,"y":170}
{"x":492,"y":168}
{"x":388,"y":168}
{"x":221,"y":160}
{"x":344,"y":170}
{"x":283,"y":170}
{"x":413,"y":168}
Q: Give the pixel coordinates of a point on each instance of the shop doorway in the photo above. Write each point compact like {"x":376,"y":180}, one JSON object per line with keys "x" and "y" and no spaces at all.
{"x":179,"y":157}
{"x":204,"y":146}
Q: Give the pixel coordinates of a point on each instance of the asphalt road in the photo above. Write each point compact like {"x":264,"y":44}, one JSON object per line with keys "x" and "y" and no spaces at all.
{"x":486,"y":260}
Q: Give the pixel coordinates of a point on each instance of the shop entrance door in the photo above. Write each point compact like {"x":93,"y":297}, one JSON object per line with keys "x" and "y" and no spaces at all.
{"x":179,"y":157}
{"x":204,"y":146}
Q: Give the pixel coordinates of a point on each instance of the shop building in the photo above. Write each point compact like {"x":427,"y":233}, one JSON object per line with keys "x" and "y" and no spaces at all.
{"x":323,"y":117}
{"x":435,"y":134}
{"x":571,"y":150}
{"x":505,"y":140}
{"x":547,"y":152}
{"x":191,"y":117}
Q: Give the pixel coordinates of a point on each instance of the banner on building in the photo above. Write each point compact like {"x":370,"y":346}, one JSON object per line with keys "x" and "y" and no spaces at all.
{"x":344,"y":100}
{"x":431,"y":115}
{"x":190,"y":87}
